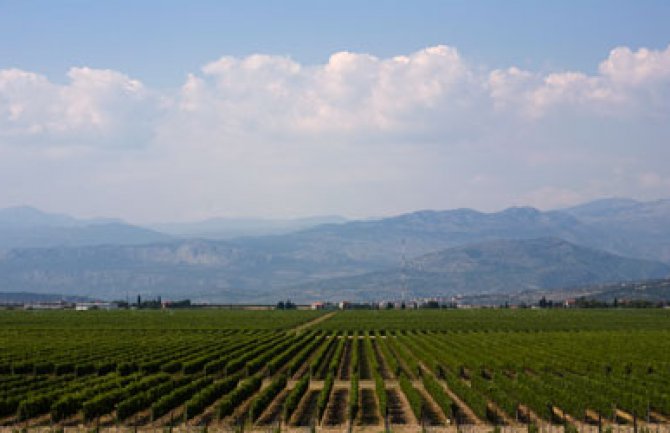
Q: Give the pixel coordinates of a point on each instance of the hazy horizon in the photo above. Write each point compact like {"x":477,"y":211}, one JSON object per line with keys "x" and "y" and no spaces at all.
{"x":346,"y":218}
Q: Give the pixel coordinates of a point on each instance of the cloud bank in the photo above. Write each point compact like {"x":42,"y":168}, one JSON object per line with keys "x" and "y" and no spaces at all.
{"x":358,"y":135}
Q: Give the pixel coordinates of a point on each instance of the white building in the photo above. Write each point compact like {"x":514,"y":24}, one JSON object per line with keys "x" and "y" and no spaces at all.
{"x":84,"y":306}
{"x":45,"y":306}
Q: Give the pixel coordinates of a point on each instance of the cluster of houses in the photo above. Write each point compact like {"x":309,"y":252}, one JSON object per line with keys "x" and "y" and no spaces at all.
{"x":414,"y":304}
{"x":387,"y":305}
{"x":78,"y":306}
{"x":452,"y":302}
{"x":85,"y":305}
{"x":95,"y":305}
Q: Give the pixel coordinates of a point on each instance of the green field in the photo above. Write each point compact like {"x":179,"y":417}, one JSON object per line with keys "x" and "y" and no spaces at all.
{"x":436,"y":367}
{"x":479,"y":320}
{"x":155,"y":319}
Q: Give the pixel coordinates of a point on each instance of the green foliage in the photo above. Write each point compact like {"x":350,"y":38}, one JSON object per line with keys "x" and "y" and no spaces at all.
{"x":172,"y":367}
{"x":321,"y":355}
{"x":438,"y":394}
{"x":131,"y":405}
{"x":335,"y":360}
{"x":66,"y":406}
{"x":353,"y":397}
{"x":380,"y":390}
{"x":102,"y":404}
{"x":300,"y":358}
{"x":177,"y":396}
{"x":294,"y":396}
{"x":413,"y":396}
{"x":195,"y":365}
{"x":355,"y":358}
{"x":33,"y":406}
{"x":245,"y":390}
{"x":105,"y":368}
{"x":62,"y":364}
{"x":389,"y":357}
{"x":85,"y":369}
{"x":277,"y":356}
{"x":209,"y":395}
{"x":322,"y":400}
{"x":64,"y":368}
{"x":266,"y":396}
{"x":520,"y":320}
{"x":126,"y":368}
{"x":23,"y":368}
{"x":9,"y":406}
{"x":44,"y":368}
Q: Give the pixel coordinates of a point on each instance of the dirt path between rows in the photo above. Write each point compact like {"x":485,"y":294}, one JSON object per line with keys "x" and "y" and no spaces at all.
{"x":316,"y":321}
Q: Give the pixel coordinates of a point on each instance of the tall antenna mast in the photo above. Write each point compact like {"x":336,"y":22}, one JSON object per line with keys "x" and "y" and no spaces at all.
{"x":403,"y":273}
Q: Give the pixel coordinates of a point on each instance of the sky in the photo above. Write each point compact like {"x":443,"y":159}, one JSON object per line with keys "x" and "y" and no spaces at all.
{"x":159,"y":111}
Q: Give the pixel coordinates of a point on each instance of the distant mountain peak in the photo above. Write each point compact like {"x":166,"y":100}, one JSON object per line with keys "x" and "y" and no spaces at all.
{"x":601,"y":206}
{"x":28,"y":227}
{"x":24,"y":216}
{"x":522,"y":211}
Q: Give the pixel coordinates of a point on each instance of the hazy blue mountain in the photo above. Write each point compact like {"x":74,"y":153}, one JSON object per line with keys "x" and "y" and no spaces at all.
{"x":27,"y":297}
{"x":501,"y":266}
{"x":25,"y":216}
{"x":228,"y":228}
{"x":384,"y":242}
{"x":648,"y":290}
{"x":26,"y":227}
{"x":642,"y":229}
{"x":265,"y":268}
{"x":655,"y":290}
{"x":602,"y":207}
{"x":201,"y":270}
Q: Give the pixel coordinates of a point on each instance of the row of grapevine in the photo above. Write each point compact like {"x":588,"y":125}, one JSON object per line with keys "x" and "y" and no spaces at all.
{"x":353,"y":397}
{"x":244,"y":390}
{"x":389,"y":357}
{"x":245,"y":357}
{"x":274,"y":360}
{"x":43,"y":402}
{"x":321,"y":356}
{"x":266,"y":396}
{"x":380,"y":390}
{"x":175,"y":398}
{"x":355,"y":356}
{"x":413,"y":396}
{"x":303,"y":355}
{"x":294,"y":397}
{"x":337,"y":355}
{"x":439,"y":395}
{"x":69,"y":404}
{"x":324,"y":394}
{"x":208,"y":395}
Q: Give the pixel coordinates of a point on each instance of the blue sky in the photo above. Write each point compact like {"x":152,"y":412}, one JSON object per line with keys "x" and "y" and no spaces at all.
{"x":180,"y":110}
{"x":161,"y":41}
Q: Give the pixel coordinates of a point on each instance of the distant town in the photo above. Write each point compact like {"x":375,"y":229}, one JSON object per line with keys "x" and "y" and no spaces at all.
{"x":413,"y":304}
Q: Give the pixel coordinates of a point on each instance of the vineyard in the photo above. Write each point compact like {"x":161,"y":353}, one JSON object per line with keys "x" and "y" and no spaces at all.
{"x":362,"y":370}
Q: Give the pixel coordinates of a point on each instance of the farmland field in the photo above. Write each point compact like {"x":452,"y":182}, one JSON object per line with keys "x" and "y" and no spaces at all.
{"x":367,"y":369}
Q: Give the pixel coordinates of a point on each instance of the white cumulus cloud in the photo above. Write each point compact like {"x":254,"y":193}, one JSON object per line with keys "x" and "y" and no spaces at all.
{"x":358,"y":134}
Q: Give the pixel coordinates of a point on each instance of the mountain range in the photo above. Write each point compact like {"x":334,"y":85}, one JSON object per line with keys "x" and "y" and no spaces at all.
{"x":27,"y":227}
{"x":230,"y":228}
{"x":425,"y":253}
{"x":500,"y":266}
